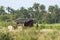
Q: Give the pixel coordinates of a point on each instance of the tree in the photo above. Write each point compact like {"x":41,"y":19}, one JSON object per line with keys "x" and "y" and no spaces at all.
{"x":36,"y":10}
{"x":10,"y":10}
{"x":51,"y":9}
{"x":36,"y":6}
{"x":54,"y":11}
{"x":2,"y":11}
{"x":42,"y":7}
{"x":24,"y":12}
{"x":31,"y":12}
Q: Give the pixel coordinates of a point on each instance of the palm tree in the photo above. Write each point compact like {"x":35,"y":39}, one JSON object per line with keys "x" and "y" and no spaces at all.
{"x":36,"y":6}
{"x":54,"y":12}
{"x":10,"y":10}
{"x":24,"y":12}
{"x":2,"y":11}
{"x":42,"y":7}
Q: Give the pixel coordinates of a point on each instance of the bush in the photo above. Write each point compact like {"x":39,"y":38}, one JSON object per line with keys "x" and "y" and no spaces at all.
{"x":5,"y":24}
{"x":4,"y":35}
{"x":42,"y":26}
{"x":29,"y":34}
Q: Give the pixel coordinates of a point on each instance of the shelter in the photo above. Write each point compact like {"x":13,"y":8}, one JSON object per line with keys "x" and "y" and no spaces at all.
{"x":26,"y":22}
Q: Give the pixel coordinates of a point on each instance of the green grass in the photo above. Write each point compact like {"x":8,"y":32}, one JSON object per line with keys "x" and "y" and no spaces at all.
{"x":49,"y":26}
{"x":41,"y":26}
{"x":5,"y":24}
{"x":29,"y":33}
{"x":26,"y":34}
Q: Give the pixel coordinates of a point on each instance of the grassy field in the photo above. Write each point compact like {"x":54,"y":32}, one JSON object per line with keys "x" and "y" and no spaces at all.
{"x":30,"y":33}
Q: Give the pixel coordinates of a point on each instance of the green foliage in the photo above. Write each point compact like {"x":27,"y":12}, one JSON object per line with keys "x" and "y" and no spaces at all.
{"x":42,"y":26}
{"x":50,"y":36}
{"x":29,"y":34}
{"x":39,"y":14}
{"x":5,"y":35}
{"x":37,"y":11}
{"x":3,"y":17}
{"x":53,"y":35}
{"x":5,"y":24}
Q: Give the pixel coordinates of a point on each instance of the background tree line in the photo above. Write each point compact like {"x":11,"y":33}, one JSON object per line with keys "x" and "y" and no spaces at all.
{"x":38,"y":12}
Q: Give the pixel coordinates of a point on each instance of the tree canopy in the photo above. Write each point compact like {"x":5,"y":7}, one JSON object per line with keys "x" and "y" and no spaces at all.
{"x":38,"y":12}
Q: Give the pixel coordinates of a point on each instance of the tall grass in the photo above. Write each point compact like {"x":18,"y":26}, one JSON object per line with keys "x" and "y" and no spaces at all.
{"x":29,"y":33}
{"x":49,"y":26}
{"x":5,"y":24}
{"x":55,"y":35}
{"x":26,"y":34}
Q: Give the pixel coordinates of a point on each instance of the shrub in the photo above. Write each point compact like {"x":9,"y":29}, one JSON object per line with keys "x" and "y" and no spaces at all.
{"x":6,"y":36}
{"x":42,"y":26}
{"x":5,"y":24}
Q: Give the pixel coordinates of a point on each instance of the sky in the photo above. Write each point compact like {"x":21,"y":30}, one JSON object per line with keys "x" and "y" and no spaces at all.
{"x":16,"y":4}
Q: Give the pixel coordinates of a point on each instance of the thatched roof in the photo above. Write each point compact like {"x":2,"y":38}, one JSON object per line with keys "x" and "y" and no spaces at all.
{"x":21,"y":20}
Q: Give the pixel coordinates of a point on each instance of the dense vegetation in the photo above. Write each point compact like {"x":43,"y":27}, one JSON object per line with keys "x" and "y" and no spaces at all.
{"x":29,"y":34}
{"x":38,"y":12}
